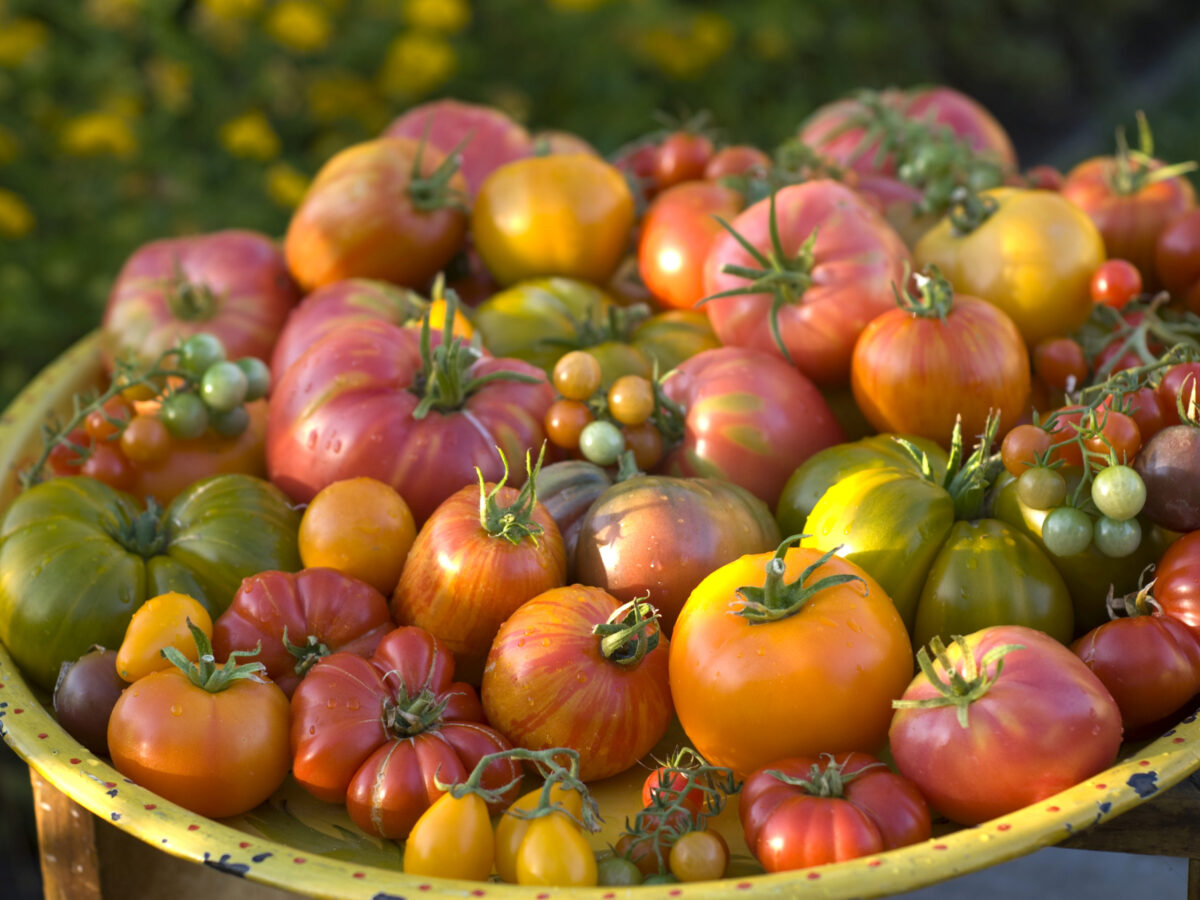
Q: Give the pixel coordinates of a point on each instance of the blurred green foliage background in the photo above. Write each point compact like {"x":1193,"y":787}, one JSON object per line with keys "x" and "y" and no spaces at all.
{"x":126,"y":120}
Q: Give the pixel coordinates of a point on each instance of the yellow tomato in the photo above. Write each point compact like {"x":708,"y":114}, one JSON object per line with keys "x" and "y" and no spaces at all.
{"x":160,"y":622}
{"x":1033,"y":257}
{"x":565,"y":214}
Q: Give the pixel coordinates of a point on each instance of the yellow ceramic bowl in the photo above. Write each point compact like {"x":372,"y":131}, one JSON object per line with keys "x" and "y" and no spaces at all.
{"x":302,"y":845}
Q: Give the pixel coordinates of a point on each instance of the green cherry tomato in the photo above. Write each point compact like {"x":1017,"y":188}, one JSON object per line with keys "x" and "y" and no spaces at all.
{"x":231,"y":423}
{"x":199,"y":352}
{"x":1119,"y":492}
{"x":1041,"y":488}
{"x":1066,"y":531}
{"x":617,"y":870}
{"x":223,"y":386}
{"x":258,"y":377}
{"x":185,"y":416}
{"x":601,"y":442}
{"x":1117,"y":537}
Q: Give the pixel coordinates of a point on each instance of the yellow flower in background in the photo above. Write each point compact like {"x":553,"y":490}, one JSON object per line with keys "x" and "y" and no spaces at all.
{"x":416,"y":63}
{"x":576,"y":5}
{"x":114,"y":13}
{"x":286,"y":185}
{"x":445,"y":16}
{"x":20,"y":39}
{"x":10,"y":146}
{"x":332,"y":96}
{"x":170,"y":83}
{"x":770,"y":43}
{"x":685,"y":49}
{"x":99,"y":134}
{"x":16,"y":218}
{"x":251,"y":136}
{"x":711,"y":35}
{"x":302,"y":26}
{"x":232,"y":10}
{"x":122,"y":103}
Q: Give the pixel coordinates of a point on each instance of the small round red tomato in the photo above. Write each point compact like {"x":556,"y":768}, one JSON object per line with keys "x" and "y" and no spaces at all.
{"x":568,"y":214}
{"x":1144,"y":406}
{"x":767,"y":628}
{"x":1000,"y":737}
{"x":1177,"y":580}
{"x":681,"y":156}
{"x":737,"y":159}
{"x":378,"y":209}
{"x":1177,"y":258}
{"x":107,"y":463}
{"x":666,"y":785}
{"x":574,"y":667}
{"x":1060,"y":362}
{"x":1114,"y":433}
{"x":1021,"y":446}
{"x":145,"y":441}
{"x":109,"y":419}
{"x":1116,"y":282}
{"x":565,"y":420}
{"x":807,"y":811}
{"x":677,"y":231}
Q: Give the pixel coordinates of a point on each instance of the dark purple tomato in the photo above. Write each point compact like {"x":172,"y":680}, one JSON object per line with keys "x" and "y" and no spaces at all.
{"x":84,"y":697}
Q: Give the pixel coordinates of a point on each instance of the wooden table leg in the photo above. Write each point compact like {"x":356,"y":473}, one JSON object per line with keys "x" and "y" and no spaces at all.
{"x":1193,"y":888}
{"x":66,"y":843}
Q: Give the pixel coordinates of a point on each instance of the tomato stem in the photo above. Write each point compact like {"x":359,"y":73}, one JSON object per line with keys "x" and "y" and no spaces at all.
{"x":514,"y":523}
{"x":958,"y":688}
{"x":189,"y":301}
{"x":828,"y":782}
{"x":307,"y":654}
{"x":413,"y":715}
{"x":968,"y":210}
{"x":777,"y":599}
{"x":205,"y":673}
{"x":630,"y":633}
{"x":1134,"y":170}
{"x":934,"y":297}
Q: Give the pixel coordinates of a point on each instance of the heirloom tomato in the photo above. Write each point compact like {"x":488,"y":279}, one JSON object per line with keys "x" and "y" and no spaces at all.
{"x":1177,"y":258}
{"x":375,"y":399}
{"x":676,"y":232}
{"x":453,"y":838}
{"x":212,"y":739}
{"x":801,"y":273}
{"x":682,"y":156}
{"x":926,"y":541}
{"x":1175,"y":390}
{"x":1177,"y":580}
{"x":1131,"y":197}
{"x":568,"y":215}
{"x":296,"y":619}
{"x":482,"y":137}
{"x":84,"y":696}
{"x":1169,"y":465}
{"x":937,"y":358}
{"x":233,"y":284}
{"x":808,"y":811}
{"x":1149,"y":661}
{"x":484,"y":551}
{"x":749,"y":418}
{"x":1002,"y":718}
{"x":542,"y":319}
{"x":567,"y":489}
{"x":1031,"y":253}
{"x":659,"y":535}
{"x":204,"y":543}
{"x":576,"y":668}
{"x":824,"y":469}
{"x":162,"y":621}
{"x":378,"y":733}
{"x":514,"y":822}
{"x":763,"y":667}
{"x":390,"y":208}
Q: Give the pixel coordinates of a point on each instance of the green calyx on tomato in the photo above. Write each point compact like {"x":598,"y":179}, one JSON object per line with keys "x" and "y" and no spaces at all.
{"x":830,"y":781}
{"x":433,"y":191}
{"x":958,"y":689}
{"x":969,"y":210}
{"x":630,"y":633}
{"x":306,"y":654}
{"x":206,"y":674}
{"x":441,"y":384}
{"x":777,"y":599}
{"x":190,"y":301}
{"x":934,"y":296}
{"x":410,"y":716}
{"x":1133,"y":170}
{"x":784,"y":277}
{"x":514,"y":522}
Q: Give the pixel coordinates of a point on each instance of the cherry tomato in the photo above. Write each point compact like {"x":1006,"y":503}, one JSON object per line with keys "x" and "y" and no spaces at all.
{"x":145,"y":441}
{"x":361,"y":527}
{"x":104,"y":423}
{"x":667,"y":785}
{"x":737,"y":159}
{"x":1116,"y":433}
{"x":1116,"y":538}
{"x":185,"y":415}
{"x":108,"y":464}
{"x":577,"y":375}
{"x":1040,"y":487}
{"x":601,"y":442}
{"x":1020,"y":448}
{"x":224,"y":386}
{"x":565,"y":420}
{"x":646,"y":442}
{"x":681,"y":156}
{"x":258,"y":377}
{"x":1115,"y":282}
{"x":698,"y":856}
{"x":1060,"y":362}
{"x":199,"y":351}
{"x":1118,"y":492}
{"x":631,"y":399}
{"x":1066,"y":531}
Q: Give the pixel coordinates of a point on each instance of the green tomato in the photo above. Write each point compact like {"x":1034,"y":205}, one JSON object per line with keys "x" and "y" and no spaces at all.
{"x":230,"y":424}
{"x":223,"y":386}
{"x":185,"y":416}
{"x":258,"y":377}
{"x":617,"y":870}
{"x":1119,"y":492}
{"x":1117,"y":538}
{"x":1042,"y":488}
{"x":200,"y":351}
{"x":1066,"y":531}
{"x":601,"y":442}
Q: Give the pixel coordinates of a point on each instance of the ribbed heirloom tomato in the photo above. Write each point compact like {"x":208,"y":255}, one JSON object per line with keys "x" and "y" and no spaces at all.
{"x":787,"y":654}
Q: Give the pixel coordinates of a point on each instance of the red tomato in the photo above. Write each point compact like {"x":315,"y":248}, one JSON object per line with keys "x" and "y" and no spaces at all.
{"x":232,"y":284}
{"x":1176,"y":388}
{"x":838,"y":283}
{"x":346,"y":408}
{"x":681,"y":156}
{"x":664,"y":786}
{"x":1116,"y":282}
{"x":107,"y":463}
{"x":676,"y":233}
{"x":960,"y":359}
{"x":485,"y":550}
{"x":1177,"y":580}
{"x":367,"y":215}
{"x":793,"y":826}
{"x":1145,"y":407}
{"x":1061,"y":363}
{"x":1130,"y":213}
{"x":551,"y":681}
{"x":737,"y":159}
{"x":750,"y":418}
{"x":1045,"y":722}
{"x":484,"y":137}
{"x":1116,"y":434}
{"x":316,"y":611}
{"x":375,"y":733}
{"x":1150,"y":663}
{"x":1177,"y":258}
{"x":736,"y":681}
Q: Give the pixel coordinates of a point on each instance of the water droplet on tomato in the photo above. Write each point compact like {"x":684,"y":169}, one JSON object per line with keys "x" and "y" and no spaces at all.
{"x":352,"y":703}
{"x":176,"y":709}
{"x":331,"y":703}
